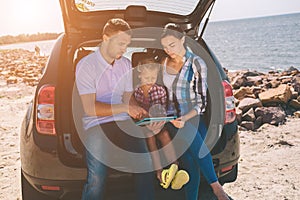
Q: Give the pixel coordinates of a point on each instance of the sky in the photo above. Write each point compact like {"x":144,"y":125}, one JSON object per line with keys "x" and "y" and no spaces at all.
{"x":41,"y":16}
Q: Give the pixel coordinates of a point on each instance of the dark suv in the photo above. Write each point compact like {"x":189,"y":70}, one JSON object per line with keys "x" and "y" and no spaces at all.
{"x":52,"y":154}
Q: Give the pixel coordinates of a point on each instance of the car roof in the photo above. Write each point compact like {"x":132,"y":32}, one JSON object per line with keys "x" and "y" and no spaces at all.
{"x":90,"y":16}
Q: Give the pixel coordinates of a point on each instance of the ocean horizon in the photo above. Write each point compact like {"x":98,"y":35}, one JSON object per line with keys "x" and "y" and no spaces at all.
{"x":261,"y":44}
{"x":257,"y":44}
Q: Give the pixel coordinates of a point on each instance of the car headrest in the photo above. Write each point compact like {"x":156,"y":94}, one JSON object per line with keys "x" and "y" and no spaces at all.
{"x":156,"y":54}
{"x":136,"y":57}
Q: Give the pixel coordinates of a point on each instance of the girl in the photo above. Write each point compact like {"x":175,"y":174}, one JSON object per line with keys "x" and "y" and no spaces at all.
{"x":153,"y":98}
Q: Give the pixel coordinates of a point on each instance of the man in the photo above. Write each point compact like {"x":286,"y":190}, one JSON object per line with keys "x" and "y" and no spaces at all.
{"x":104,"y":82}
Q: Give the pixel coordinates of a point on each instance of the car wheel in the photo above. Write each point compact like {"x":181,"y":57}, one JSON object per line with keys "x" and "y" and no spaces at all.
{"x":29,"y":193}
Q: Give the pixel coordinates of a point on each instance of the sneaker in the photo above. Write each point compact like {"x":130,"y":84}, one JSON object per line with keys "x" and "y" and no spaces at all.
{"x":180,"y":179}
{"x":167,"y":175}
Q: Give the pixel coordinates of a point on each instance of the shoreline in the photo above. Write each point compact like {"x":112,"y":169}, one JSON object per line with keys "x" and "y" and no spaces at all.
{"x":16,"y":43}
{"x":21,"y":38}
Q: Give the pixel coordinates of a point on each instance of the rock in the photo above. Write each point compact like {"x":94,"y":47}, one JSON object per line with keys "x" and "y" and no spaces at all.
{"x":256,"y":91}
{"x":247,"y":125}
{"x":295,"y":94}
{"x":281,"y":94}
{"x":296,"y":83}
{"x":253,"y":81}
{"x":238,"y":81}
{"x":258,"y":122}
{"x":295,"y":104}
{"x":12,"y":80}
{"x":292,"y":69}
{"x":21,"y":65}
{"x":297,"y":114}
{"x":249,"y":115}
{"x":272,"y":84}
{"x":239,"y":114}
{"x":254,"y":73}
{"x":285,"y":78}
{"x":271,"y":115}
{"x":243,"y":92}
{"x":247,"y":103}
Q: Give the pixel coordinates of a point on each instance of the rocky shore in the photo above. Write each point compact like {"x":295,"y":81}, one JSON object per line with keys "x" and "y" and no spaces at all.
{"x":265,"y":97}
{"x":260,"y":97}
{"x":21,"y":65}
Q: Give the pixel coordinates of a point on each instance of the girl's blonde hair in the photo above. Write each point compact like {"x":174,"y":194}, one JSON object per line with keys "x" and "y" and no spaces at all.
{"x":148,"y":64}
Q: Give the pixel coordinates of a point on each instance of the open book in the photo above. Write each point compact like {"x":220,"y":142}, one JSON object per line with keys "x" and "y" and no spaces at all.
{"x":149,"y":120}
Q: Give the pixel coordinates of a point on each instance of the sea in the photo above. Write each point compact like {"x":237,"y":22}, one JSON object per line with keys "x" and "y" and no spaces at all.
{"x":261,"y":44}
{"x":257,"y":44}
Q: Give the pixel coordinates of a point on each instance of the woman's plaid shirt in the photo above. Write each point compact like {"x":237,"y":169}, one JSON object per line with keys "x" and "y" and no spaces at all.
{"x":190,"y":85}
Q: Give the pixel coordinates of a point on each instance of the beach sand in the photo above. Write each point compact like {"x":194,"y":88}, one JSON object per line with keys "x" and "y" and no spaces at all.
{"x":269,"y":163}
{"x":268,"y":168}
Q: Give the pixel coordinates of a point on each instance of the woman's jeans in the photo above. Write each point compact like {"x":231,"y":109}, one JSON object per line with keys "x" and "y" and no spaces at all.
{"x":100,"y":153}
{"x":196,"y":158}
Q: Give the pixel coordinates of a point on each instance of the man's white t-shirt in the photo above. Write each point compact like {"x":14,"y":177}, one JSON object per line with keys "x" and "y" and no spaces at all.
{"x":108,"y":82}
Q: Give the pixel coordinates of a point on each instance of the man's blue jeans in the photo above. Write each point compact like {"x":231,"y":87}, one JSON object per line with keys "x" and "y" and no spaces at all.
{"x":98,"y":150}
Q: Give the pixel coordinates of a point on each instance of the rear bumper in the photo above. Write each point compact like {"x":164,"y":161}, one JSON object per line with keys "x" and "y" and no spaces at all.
{"x":46,"y":165}
{"x":229,"y":156}
{"x":58,"y":189}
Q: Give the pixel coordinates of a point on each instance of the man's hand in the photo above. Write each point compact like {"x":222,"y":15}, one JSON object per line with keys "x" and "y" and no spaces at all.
{"x":136,"y":112}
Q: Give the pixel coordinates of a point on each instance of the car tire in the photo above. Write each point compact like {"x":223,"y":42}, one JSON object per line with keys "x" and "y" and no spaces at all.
{"x":29,"y":193}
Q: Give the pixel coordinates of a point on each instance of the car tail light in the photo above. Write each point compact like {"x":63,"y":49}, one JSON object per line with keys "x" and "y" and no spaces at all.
{"x":45,"y":123}
{"x":230,"y":113}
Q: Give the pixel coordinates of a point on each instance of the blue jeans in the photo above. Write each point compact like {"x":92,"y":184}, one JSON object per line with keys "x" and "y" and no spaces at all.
{"x":196,"y":158}
{"x":98,"y":150}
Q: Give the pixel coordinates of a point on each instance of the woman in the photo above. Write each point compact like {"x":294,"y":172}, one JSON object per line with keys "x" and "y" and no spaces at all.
{"x":184,"y":74}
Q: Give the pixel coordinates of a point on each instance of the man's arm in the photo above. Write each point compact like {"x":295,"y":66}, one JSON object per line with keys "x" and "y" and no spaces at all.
{"x":96,"y":108}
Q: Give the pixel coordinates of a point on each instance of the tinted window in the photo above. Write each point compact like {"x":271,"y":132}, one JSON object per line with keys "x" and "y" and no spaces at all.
{"x":168,"y":6}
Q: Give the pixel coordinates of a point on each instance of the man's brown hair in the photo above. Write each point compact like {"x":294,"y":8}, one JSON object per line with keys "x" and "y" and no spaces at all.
{"x":114,"y":25}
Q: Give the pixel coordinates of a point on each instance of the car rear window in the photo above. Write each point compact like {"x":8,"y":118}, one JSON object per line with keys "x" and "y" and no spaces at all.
{"x":167,"y":6}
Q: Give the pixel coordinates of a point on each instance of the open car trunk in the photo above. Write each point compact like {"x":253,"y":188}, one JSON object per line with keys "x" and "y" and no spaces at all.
{"x":69,"y":104}
{"x":88,"y":17}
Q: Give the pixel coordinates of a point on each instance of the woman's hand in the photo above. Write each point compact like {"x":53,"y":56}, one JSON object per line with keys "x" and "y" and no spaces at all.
{"x":179,"y":122}
{"x":155,"y":127}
